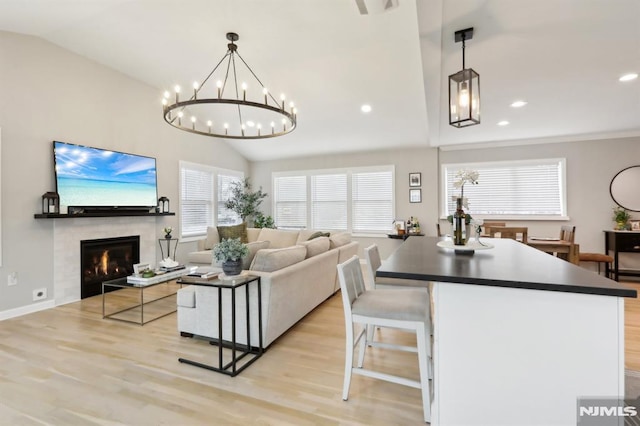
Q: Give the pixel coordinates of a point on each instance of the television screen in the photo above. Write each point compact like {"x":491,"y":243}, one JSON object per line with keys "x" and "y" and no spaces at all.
{"x":93,"y":177}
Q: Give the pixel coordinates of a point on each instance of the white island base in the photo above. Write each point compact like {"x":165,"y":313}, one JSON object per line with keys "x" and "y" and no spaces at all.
{"x":512,"y":356}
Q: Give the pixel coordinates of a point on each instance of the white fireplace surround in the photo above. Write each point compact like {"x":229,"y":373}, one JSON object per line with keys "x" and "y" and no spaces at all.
{"x":67,"y":234}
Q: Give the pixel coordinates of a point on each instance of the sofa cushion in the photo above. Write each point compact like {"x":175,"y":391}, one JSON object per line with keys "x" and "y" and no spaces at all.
{"x":278,"y":238}
{"x":306,"y":234}
{"x":316,"y":246}
{"x":212,"y":239}
{"x":253,"y":234}
{"x":202,"y":256}
{"x":253,"y":249}
{"x":339,"y":240}
{"x":235,"y":231}
{"x":269,"y":260}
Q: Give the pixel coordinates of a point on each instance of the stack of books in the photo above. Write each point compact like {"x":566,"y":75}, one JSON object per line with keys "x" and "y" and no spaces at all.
{"x":205,"y":272}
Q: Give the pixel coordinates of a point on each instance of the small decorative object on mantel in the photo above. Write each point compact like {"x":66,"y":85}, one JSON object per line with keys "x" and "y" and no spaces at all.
{"x":167,"y":232}
{"x":459,"y":217}
{"x":230,"y":252}
{"x":163,"y":205}
{"x":50,"y":202}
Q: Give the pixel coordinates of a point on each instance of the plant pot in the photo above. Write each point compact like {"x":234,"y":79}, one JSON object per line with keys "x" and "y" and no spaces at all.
{"x":167,"y":236}
{"x":232,"y":267}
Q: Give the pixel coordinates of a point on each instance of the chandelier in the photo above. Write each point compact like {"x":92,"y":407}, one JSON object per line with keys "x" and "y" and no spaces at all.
{"x":228,"y":110}
{"x":464,"y":90}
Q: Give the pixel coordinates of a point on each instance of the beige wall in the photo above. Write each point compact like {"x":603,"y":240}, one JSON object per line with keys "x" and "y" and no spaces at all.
{"x":49,"y":93}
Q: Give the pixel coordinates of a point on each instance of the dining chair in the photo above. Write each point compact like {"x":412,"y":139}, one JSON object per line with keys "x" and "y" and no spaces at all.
{"x":487,"y":224}
{"x":408,"y":309}
{"x":567,"y":233}
{"x":518,"y":233}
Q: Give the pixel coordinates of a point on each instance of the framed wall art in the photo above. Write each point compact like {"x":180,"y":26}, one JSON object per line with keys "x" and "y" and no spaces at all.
{"x":415,"y":179}
{"x":415,"y":195}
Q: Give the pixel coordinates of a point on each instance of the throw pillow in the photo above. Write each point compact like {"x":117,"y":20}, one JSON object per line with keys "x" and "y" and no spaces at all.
{"x":318,"y":234}
{"x":235,"y":231}
{"x":212,"y":238}
{"x":269,"y":260}
{"x":339,"y":240}
{"x":253,"y":249}
{"x":316,"y":246}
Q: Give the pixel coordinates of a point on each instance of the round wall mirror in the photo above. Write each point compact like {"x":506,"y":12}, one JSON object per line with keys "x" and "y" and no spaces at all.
{"x":625,"y":188}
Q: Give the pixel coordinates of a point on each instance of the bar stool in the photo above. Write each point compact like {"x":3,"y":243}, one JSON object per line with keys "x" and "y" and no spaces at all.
{"x":404,"y":309}
{"x":598,"y":258}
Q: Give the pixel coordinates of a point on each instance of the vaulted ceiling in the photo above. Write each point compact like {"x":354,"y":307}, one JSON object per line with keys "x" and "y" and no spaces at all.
{"x":563,"y":57}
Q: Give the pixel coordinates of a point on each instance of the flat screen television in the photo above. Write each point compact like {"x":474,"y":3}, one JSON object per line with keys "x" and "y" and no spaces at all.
{"x":100,"y":179}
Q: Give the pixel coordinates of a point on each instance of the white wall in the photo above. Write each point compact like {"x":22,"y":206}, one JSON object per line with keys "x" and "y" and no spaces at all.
{"x":49,"y":93}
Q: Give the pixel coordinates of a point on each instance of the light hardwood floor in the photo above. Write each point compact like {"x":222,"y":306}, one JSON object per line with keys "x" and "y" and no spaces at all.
{"x":68,"y":366}
{"x":632,"y":330}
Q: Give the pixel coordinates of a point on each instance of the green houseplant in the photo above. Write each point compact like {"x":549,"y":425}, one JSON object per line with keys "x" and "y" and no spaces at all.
{"x":230,"y":252}
{"x":244,"y":201}
{"x":262,"y":221}
{"x":621,"y":216}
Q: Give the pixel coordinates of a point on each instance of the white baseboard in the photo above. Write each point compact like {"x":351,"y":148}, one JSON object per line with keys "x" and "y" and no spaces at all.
{"x":24,"y":310}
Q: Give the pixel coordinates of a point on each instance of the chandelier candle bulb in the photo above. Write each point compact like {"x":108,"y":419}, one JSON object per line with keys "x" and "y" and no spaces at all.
{"x":219,"y":86}
{"x":244,"y":91}
{"x":265,"y":91}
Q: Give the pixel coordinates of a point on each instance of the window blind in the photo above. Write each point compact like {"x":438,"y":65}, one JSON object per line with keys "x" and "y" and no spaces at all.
{"x":329,"y":201}
{"x":226,"y":216}
{"x":527,"y":188}
{"x":372,"y":201}
{"x":359,"y":199}
{"x":196,"y":200}
{"x":290,"y":201}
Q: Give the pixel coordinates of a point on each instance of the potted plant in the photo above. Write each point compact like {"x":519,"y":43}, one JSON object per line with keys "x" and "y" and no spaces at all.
{"x":243,"y":200}
{"x":230,"y":252}
{"x":621,"y":216}
{"x":167,"y":232}
{"x":262,"y":221}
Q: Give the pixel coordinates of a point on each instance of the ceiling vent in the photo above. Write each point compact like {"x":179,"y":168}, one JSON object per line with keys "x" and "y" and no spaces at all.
{"x":368,"y":7}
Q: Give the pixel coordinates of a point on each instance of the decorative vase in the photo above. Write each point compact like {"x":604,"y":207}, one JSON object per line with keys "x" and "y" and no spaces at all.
{"x":621,"y":226}
{"x":167,"y":236}
{"x":232,"y":267}
{"x":459,"y":224}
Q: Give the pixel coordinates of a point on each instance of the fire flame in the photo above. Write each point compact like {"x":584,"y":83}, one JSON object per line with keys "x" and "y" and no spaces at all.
{"x":104,"y":262}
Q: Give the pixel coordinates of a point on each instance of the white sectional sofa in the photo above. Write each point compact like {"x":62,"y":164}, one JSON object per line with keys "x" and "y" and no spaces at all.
{"x":297,"y":274}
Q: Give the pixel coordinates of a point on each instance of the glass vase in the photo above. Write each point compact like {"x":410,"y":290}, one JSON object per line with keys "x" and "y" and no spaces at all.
{"x":459,"y":224}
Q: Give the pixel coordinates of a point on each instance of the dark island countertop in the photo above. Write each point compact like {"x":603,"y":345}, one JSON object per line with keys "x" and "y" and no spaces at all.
{"x":508,"y":264}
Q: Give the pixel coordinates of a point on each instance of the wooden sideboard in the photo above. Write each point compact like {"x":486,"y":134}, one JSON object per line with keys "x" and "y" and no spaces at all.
{"x":621,"y":242}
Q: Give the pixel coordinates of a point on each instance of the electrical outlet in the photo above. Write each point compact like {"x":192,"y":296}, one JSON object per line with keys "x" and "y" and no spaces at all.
{"x":12,"y":278}
{"x":39,"y":294}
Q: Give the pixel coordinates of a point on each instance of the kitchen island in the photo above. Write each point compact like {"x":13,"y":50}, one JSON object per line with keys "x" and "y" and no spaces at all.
{"x":519,"y":335}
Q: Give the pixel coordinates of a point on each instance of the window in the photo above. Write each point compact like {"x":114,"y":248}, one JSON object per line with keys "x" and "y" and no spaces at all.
{"x":203,"y":190}
{"x":355,"y":200}
{"x":531,"y":189}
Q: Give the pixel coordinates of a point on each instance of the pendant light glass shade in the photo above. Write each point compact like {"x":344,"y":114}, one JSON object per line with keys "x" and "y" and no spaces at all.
{"x":464,"y":98}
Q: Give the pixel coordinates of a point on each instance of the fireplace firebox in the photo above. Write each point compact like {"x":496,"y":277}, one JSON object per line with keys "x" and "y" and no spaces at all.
{"x":106,"y":259}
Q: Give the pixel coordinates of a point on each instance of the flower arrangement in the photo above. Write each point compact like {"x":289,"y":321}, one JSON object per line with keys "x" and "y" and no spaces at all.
{"x":230,"y":249}
{"x":167,"y":231}
{"x":463,"y":177}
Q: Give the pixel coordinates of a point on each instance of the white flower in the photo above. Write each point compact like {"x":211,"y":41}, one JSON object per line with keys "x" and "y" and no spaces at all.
{"x":466,"y":176}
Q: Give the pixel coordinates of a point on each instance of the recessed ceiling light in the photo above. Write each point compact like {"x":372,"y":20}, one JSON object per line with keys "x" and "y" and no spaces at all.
{"x":365,"y":108}
{"x":518,"y":104}
{"x":628,"y":77}
{"x":503,"y":123}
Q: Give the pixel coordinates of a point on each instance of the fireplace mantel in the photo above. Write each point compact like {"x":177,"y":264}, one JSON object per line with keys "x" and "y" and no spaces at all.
{"x":96,"y":214}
